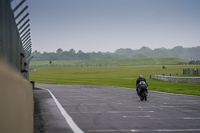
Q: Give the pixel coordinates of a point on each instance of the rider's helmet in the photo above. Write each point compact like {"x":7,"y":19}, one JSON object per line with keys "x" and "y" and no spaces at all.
{"x":141,"y":77}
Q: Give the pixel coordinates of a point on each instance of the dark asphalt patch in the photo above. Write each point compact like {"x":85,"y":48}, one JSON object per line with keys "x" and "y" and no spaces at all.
{"x":47,"y":117}
{"x":39,"y":121}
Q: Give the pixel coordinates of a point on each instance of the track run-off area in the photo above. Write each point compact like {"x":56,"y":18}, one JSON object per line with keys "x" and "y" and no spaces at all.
{"x":108,"y":109}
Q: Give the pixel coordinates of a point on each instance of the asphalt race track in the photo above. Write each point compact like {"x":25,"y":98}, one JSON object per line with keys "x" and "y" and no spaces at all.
{"x":107,"y":109}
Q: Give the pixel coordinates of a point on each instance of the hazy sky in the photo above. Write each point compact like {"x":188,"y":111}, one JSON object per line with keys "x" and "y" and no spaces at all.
{"x":107,"y":25}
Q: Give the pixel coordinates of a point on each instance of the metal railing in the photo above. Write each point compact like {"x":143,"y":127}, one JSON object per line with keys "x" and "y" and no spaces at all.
{"x":191,"y":72}
{"x":15,"y":33}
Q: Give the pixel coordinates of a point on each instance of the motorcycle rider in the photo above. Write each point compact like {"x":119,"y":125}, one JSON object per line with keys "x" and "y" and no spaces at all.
{"x":141,"y":78}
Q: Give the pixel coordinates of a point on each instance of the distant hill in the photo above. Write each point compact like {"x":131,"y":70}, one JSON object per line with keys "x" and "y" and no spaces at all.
{"x":127,"y":53}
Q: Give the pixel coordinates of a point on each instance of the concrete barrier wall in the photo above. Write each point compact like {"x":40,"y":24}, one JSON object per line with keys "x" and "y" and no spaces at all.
{"x":177,"y":79}
{"x":16,"y":101}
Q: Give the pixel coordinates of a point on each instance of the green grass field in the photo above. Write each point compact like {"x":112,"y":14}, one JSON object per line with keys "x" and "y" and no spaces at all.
{"x":122,"y":76}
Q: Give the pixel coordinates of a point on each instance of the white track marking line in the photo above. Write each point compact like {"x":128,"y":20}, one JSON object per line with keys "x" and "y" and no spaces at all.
{"x":112,"y":112}
{"x":168,"y":93}
{"x":145,"y":130}
{"x":145,"y":116}
{"x":67,"y":117}
{"x":177,"y":130}
{"x":191,"y":118}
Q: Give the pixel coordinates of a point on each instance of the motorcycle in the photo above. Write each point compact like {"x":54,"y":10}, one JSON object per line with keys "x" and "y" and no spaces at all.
{"x":143,"y":90}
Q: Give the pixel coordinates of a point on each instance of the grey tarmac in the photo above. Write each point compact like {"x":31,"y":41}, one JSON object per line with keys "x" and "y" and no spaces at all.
{"x":108,"y":109}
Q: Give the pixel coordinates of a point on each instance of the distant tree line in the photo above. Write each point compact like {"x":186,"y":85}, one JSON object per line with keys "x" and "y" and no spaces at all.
{"x":176,"y":52}
{"x":193,"y":62}
{"x":72,"y":55}
{"x":191,"y":54}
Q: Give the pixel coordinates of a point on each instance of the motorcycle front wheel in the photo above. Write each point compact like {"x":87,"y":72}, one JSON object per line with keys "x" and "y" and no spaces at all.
{"x":142,"y":96}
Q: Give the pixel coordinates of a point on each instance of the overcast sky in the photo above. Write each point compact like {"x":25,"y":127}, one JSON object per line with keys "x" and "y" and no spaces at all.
{"x":107,"y":25}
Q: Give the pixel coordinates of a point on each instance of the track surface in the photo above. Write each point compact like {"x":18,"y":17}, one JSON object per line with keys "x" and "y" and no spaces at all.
{"x":106,"y":109}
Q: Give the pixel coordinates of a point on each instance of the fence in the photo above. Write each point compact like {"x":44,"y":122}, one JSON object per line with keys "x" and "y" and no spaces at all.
{"x":191,"y":72}
{"x":71,"y":65}
{"x":14,"y":32}
{"x":176,"y":79}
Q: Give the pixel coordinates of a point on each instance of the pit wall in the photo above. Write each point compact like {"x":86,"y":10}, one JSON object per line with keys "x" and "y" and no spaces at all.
{"x":177,"y":79}
{"x":16,"y":101}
